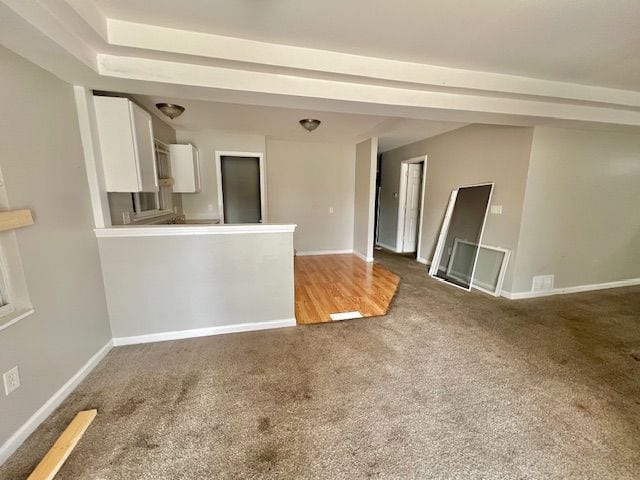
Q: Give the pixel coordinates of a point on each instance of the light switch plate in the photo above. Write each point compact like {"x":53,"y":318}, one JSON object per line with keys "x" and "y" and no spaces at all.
{"x":11,"y":379}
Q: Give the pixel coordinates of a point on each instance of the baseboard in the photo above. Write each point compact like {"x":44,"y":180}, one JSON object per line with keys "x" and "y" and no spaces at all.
{"x":12,"y":444}
{"x":203,"y":332}
{"x":577,"y":289}
{"x":323,"y":252}
{"x":387,"y":247}
{"x":363,"y":257}
{"x":423,"y":261}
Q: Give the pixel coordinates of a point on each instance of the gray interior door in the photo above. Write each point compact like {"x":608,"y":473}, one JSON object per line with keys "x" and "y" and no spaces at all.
{"x":241,"y":189}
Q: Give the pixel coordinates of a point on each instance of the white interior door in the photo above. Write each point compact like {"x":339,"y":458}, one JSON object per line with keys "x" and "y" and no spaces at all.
{"x":412,"y":208}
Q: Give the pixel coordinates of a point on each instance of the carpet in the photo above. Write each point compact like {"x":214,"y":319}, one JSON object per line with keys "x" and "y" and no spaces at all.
{"x":448,"y":385}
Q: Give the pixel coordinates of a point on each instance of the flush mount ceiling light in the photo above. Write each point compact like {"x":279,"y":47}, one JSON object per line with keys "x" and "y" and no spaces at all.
{"x":310,"y":124}
{"x":171,"y":110}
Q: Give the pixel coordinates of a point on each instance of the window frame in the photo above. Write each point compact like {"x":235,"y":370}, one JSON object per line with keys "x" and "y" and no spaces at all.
{"x":13,"y":286}
{"x":138,"y":213}
{"x":6,"y":306}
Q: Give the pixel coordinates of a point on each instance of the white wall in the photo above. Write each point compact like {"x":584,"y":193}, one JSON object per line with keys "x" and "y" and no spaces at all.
{"x":43,"y":167}
{"x":364,"y":197}
{"x":306,"y":180}
{"x":216,"y":280}
{"x":581,"y":216}
{"x":204,"y":205}
{"x":469,"y":155}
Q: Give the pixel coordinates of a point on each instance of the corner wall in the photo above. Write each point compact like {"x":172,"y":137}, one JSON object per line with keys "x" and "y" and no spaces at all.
{"x":581,"y":216}
{"x":466,"y":156}
{"x":43,"y":166}
{"x":364,"y":198}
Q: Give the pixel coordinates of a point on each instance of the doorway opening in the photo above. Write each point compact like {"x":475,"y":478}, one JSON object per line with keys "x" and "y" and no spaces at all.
{"x":241,"y":187}
{"x":413,"y":175}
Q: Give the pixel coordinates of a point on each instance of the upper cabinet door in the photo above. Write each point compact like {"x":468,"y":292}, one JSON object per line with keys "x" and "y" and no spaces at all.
{"x":185,"y":168}
{"x":197,"y":175}
{"x":143,"y":139}
{"x":126,"y":144}
{"x":113,"y":118}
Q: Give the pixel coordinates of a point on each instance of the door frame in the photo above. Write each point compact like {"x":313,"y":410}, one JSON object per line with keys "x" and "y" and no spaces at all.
{"x":261,"y":165}
{"x":402,"y":201}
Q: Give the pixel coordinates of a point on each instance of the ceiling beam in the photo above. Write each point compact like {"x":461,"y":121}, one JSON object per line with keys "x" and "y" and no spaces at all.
{"x":269,"y":83}
{"x":163,"y":39}
{"x":54,"y":35}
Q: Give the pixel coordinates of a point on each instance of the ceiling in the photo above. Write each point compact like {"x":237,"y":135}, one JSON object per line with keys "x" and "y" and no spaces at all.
{"x":408,"y":131}
{"x":581,"y":41}
{"x":376,"y":62}
{"x":282,"y":123}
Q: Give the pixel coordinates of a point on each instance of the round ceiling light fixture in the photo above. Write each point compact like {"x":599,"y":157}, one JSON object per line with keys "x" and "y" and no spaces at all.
{"x":171,"y":110}
{"x":310,"y":124}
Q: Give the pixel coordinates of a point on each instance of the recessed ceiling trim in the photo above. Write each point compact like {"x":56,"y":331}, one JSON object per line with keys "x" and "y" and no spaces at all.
{"x":53,"y":19}
{"x":89,"y":12}
{"x":48,"y":26}
{"x":152,"y":37}
{"x":261,"y":82}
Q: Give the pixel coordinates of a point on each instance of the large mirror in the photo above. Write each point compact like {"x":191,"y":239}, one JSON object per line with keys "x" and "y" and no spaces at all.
{"x":456,"y":252}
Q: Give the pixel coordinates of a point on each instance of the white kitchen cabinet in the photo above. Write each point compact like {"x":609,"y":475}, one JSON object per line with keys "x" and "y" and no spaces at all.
{"x":185,"y":168}
{"x":126,"y":143}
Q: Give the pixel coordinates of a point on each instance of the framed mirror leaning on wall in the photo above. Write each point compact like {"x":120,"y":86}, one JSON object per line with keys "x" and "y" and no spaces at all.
{"x":463,"y":224}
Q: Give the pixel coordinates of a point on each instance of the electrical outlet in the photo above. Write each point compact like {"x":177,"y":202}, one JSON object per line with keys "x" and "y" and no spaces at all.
{"x":330,"y":209}
{"x":496,"y":209}
{"x":11,"y":380}
{"x":126,"y":217}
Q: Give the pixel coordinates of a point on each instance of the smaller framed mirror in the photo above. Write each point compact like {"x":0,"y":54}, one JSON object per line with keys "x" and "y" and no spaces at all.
{"x":491,"y":266}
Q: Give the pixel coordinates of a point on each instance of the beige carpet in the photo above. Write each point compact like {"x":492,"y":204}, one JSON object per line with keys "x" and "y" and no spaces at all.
{"x":449,"y":385}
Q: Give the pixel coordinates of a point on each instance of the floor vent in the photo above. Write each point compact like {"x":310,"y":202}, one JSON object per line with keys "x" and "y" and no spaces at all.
{"x":345,"y":315}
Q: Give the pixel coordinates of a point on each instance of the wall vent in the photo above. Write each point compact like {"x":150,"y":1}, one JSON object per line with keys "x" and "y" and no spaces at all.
{"x":542,"y":283}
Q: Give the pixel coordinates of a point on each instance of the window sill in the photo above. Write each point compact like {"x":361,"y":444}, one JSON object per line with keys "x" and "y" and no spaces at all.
{"x":14,"y":317}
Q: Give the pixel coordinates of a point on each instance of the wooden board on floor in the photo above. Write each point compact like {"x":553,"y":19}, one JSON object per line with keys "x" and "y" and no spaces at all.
{"x":15,"y":219}
{"x":55,"y":458}
{"x":326,"y":284}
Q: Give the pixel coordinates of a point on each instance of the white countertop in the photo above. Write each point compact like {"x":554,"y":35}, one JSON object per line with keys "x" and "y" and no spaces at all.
{"x":192,"y":229}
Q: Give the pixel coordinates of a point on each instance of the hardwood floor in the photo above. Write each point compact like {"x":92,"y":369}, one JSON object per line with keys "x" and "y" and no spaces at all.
{"x":327,"y":284}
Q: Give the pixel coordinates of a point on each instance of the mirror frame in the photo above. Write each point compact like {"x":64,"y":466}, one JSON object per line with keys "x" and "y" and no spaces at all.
{"x":442,"y":238}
